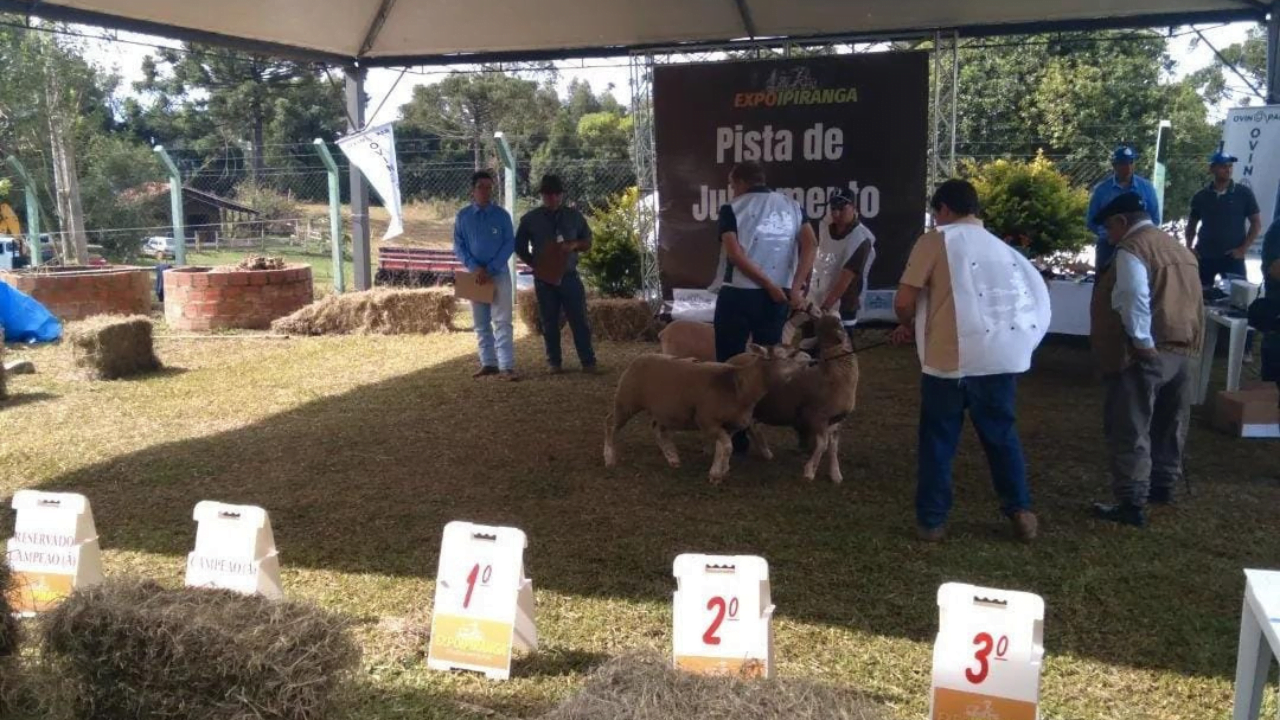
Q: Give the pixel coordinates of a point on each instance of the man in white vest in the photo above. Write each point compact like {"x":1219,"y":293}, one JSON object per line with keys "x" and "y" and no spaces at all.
{"x":846,"y":250}
{"x":766,"y":254}
{"x":977,"y":310}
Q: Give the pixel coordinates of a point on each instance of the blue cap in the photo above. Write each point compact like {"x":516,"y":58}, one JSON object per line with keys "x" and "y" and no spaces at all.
{"x":1124,"y":155}
{"x":1221,"y":158}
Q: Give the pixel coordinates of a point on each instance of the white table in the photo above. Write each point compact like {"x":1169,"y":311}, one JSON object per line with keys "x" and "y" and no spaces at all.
{"x":1259,"y":640}
{"x":1069,"y":302}
{"x":1215,"y":318}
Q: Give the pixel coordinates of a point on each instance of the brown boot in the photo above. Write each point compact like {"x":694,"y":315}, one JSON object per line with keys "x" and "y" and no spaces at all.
{"x":931,"y":535}
{"x":485,"y":371}
{"x":1025,"y":525}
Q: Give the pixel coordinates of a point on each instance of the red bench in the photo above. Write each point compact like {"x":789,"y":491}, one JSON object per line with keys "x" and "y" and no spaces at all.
{"x":421,"y":267}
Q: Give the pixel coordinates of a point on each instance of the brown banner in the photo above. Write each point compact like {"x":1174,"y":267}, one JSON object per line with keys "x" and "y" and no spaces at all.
{"x":856,"y":121}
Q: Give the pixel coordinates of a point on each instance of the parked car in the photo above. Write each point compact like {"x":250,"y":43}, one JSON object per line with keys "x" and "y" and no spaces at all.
{"x":47,"y":252}
{"x":159,"y":246}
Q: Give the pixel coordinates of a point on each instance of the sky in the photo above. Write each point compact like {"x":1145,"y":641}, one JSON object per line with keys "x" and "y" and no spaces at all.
{"x":389,"y":89}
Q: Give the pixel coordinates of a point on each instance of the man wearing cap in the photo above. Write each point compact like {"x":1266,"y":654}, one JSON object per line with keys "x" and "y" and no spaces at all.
{"x":1216,"y":226}
{"x":977,"y":310}
{"x":1147,"y":321}
{"x":549,"y":239}
{"x":846,"y":249}
{"x":1123,"y":181}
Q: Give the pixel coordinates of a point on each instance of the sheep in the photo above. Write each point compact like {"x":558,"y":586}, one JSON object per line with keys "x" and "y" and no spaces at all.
{"x":814,"y":400}
{"x":689,"y":339}
{"x":682,"y":394}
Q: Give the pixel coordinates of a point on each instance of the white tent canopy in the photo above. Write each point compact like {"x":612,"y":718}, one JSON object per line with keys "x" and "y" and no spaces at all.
{"x":382,"y":32}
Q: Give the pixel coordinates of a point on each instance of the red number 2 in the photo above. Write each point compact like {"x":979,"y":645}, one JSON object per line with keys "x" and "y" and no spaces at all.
{"x":471,"y":582}
{"x":985,"y":645}
{"x":718,"y":604}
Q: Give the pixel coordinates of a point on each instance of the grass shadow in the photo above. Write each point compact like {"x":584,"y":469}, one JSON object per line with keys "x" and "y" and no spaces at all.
{"x":364,"y":482}
{"x":30,"y":398}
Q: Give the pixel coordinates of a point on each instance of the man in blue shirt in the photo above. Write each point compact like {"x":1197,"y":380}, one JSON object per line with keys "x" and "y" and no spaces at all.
{"x":483,"y":240}
{"x":1123,"y":181}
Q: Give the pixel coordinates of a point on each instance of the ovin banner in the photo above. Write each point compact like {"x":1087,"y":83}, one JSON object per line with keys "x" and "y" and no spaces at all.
{"x":817,"y":124}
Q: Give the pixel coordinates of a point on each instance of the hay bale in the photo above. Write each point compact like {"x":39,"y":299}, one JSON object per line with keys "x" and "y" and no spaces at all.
{"x":107,"y":347}
{"x":644,"y":687}
{"x":259,"y":262}
{"x":621,"y":319}
{"x":381,"y":311}
{"x":531,"y":315}
{"x":132,"y":649}
{"x":4,"y":373}
{"x":8,"y":623}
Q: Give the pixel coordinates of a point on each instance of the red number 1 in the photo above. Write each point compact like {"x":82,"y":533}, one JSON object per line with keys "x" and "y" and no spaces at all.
{"x":986,"y":644}
{"x":471,"y":585}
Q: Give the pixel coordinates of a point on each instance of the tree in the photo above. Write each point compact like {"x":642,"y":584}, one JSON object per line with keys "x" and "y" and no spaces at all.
{"x":215,"y":100}
{"x":589,"y":147}
{"x":1035,"y":201}
{"x":1240,"y":71}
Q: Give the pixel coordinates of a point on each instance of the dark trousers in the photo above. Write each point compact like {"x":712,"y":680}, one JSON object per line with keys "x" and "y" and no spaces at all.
{"x":1212,"y":267}
{"x":743,"y":315}
{"x":1147,"y":412}
{"x":570,"y":297}
{"x":989,"y":400}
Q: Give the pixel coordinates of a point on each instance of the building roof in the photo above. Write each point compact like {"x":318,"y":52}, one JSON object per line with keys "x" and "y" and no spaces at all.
{"x":152,"y":190}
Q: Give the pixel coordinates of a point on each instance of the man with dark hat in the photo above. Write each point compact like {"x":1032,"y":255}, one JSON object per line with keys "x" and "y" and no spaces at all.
{"x":846,"y":250}
{"x":1216,"y":226}
{"x":1147,"y":321}
{"x":548,"y":240}
{"x":1123,"y":181}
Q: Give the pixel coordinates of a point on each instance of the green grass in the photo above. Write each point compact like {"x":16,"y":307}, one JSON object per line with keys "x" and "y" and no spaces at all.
{"x":363,"y":448}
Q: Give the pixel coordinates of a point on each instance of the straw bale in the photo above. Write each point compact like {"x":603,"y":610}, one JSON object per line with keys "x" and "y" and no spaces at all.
{"x":381,"y":311}
{"x":108,"y":347}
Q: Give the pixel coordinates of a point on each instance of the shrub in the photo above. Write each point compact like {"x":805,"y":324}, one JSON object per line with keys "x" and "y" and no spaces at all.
{"x":271,"y":205}
{"x":130,"y":649}
{"x":612,"y":266}
{"x":1032,"y":199}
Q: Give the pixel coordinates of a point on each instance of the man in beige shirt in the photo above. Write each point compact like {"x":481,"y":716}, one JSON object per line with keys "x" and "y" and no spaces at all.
{"x":961,"y":276}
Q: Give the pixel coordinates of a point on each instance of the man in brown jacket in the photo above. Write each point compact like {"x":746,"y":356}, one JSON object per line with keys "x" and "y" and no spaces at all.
{"x":1147,"y":321}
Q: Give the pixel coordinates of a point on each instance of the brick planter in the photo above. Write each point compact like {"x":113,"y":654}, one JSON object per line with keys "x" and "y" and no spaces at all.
{"x":201,"y":298}
{"x":79,"y":291}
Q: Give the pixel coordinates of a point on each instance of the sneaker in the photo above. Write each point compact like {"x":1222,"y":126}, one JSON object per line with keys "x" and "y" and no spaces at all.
{"x":1162,"y":496}
{"x":1025,"y":525}
{"x":1131,"y":515}
{"x":485,"y":371}
{"x":554,"y":370}
{"x":931,"y":535}
{"x":509,"y":376}
{"x":592,"y":369}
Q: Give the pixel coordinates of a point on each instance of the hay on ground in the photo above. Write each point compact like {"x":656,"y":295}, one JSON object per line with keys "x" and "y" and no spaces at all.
{"x":644,"y":687}
{"x":259,"y":262}
{"x":621,"y":319}
{"x":381,"y":311}
{"x":131,"y":649}
{"x":4,"y":386}
{"x":108,"y":347}
{"x":10,"y":671}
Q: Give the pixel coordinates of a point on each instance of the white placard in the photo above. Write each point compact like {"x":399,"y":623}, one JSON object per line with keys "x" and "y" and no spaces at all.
{"x":235,"y":550}
{"x":1252,"y":134}
{"x":54,"y":549}
{"x":988,"y":654}
{"x":374,"y":152}
{"x":483,"y":602}
{"x":723,"y":615}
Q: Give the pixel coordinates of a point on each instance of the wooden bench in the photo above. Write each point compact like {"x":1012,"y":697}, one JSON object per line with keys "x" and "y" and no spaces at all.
{"x":421,"y":267}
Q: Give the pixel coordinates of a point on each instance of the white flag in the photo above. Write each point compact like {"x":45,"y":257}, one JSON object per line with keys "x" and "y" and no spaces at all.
{"x":374,"y":152}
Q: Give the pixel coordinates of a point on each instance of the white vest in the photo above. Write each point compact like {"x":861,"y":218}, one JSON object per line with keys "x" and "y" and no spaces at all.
{"x":768,"y":223}
{"x":833,"y":254}
{"x":1002,"y":303}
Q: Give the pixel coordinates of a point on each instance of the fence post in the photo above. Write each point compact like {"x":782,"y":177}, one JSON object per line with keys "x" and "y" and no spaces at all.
{"x":1159,"y":172}
{"x":175,"y":207}
{"x":335,"y":214}
{"x":34,"y":248}
{"x":508,"y":196}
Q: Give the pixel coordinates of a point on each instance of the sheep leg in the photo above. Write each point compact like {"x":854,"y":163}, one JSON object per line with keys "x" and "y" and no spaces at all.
{"x":833,"y":455}
{"x":612,"y":424}
{"x":758,"y":442}
{"x":724,"y":448}
{"x":820,"y":440}
{"x":667,"y":447}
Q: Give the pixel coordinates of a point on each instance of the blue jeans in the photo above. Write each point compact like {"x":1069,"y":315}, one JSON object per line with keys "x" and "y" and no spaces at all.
{"x":493,"y":326}
{"x":990,"y":401}
{"x":744,"y":315}
{"x":571,"y":297}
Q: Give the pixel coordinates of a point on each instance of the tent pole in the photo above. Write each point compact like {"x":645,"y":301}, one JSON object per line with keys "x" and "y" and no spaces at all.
{"x":360,"y":251}
{"x":1273,"y":54}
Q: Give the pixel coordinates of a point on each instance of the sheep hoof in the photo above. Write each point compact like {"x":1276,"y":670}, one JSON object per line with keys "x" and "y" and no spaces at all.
{"x":837,"y":479}
{"x":610,"y":457}
{"x":809,"y":475}
{"x":716,"y":479}
{"x":674,"y":463}
{"x":766,"y":454}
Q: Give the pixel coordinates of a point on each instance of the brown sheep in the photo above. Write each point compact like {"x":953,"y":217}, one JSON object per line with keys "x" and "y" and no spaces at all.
{"x":688,"y":339}
{"x":814,"y":400}
{"x":681,"y":394}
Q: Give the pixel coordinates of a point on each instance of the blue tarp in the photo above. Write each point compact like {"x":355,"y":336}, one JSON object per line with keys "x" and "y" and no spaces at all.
{"x":24,"y":319}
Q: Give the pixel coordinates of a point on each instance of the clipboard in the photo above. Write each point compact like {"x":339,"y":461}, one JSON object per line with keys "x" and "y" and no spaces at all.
{"x":466,"y":288}
{"x":550,"y":263}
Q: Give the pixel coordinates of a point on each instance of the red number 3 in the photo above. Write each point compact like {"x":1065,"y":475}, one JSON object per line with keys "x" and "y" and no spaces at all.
{"x":985,"y":644}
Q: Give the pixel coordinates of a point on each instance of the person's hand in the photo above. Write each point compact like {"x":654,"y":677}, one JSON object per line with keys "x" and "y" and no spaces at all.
{"x":797,"y":299}
{"x":776,"y":294}
{"x":1240,"y":252}
{"x":902,"y":335}
{"x":482,"y":277}
{"x":1146,"y":354}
